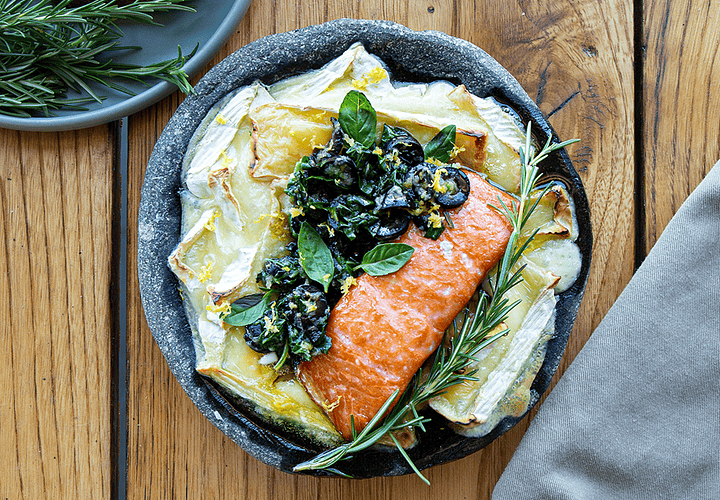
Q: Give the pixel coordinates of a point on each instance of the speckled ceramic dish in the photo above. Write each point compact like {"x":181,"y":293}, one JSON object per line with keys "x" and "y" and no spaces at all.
{"x":208,"y":28}
{"x":411,"y":57}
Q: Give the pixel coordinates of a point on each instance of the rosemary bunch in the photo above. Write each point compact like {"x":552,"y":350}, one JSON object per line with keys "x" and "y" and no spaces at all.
{"x":47,"y":49}
{"x":474,"y":331}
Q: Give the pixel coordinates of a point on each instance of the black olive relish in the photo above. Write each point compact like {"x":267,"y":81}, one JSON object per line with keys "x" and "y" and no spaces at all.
{"x":356,"y":194}
{"x":296,"y":320}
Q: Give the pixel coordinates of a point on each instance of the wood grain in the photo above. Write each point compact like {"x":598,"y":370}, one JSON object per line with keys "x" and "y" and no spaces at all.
{"x":56,"y":209}
{"x":681,"y":129}
{"x":575,"y":58}
{"x":58,"y":216}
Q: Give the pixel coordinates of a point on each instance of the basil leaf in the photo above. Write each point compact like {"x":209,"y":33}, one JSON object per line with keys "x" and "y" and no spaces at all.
{"x":315,"y":256}
{"x":386,"y":258}
{"x":358,"y":118}
{"x":247,"y":310}
{"x":441,"y":146}
{"x":388,"y":132}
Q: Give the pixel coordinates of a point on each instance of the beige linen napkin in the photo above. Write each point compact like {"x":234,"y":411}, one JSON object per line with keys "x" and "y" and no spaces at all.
{"x":637,"y":414}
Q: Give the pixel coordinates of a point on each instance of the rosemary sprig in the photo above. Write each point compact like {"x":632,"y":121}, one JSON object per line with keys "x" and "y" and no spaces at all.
{"x":473,"y":332}
{"x":47,"y":49}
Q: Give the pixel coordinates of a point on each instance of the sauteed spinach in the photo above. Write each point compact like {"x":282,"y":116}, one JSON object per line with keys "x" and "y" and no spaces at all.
{"x":351,"y":197}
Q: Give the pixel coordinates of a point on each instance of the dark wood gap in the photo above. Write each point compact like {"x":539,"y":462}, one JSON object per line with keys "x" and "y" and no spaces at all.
{"x":118,"y":294}
{"x":639,"y":115}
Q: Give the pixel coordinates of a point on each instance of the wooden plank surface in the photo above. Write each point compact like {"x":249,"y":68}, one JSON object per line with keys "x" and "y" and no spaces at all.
{"x":56,"y":210}
{"x":681,"y":89}
{"x":58,"y":216}
{"x":574,"y":57}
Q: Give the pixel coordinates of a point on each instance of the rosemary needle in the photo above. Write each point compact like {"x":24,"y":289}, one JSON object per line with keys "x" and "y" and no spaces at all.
{"x":473,"y":332}
{"x":49,"y":48}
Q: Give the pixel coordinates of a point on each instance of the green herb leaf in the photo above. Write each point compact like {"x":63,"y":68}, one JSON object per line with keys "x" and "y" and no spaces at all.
{"x":51,"y":47}
{"x":358,"y":118}
{"x":388,"y":132}
{"x":386,"y":258}
{"x":441,"y":146}
{"x":315,"y":256}
{"x":247,"y":310}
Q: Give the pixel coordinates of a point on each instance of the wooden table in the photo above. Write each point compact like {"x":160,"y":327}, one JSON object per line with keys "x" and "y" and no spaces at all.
{"x":86,"y":391}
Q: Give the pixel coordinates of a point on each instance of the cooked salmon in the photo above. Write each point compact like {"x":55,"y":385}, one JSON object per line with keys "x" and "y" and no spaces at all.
{"x":385,"y":327}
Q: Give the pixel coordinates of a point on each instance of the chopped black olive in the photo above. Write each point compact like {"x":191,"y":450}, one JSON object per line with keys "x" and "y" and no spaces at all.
{"x":337,"y":140}
{"x":395,"y":197}
{"x":266,"y":334}
{"x":308,"y":311}
{"x":299,"y":318}
{"x":342,"y":169}
{"x":429,"y":229}
{"x":405,"y":148}
{"x":282,"y":274}
{"x":453,"y":187}
{"x":392,"y":224}
{"x":420,"y":179}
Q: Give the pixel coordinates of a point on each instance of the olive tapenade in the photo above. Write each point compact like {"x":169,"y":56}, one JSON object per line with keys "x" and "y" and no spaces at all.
{"x":355,"y":193}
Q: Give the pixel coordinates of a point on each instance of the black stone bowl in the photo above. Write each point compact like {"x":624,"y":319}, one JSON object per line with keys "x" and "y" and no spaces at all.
{"x":412,"y":57}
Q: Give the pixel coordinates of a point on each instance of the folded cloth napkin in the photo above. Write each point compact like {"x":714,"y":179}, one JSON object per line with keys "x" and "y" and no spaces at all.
{"x":637,"y":414}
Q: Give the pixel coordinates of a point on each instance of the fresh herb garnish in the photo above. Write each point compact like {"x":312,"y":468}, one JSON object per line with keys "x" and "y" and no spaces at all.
{"x":293,"y":324}
{"x":248,"y":309}
{"x":442,"y":145}
{"x":386,"y":258}
{"x":473,"y":328}
{"x":358,"y":118}
{"x":49,"y":49}
{"x":351,"y":197}
{"x":315,"y":256}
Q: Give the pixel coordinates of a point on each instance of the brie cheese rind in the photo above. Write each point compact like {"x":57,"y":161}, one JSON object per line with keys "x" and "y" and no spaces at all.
{"x":235,"y":217}
{"x":480,"y":404}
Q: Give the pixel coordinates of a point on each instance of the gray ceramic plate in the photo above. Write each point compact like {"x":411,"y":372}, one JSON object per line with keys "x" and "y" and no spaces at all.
{"x":210,"y":26}
{"x":412,"y":57}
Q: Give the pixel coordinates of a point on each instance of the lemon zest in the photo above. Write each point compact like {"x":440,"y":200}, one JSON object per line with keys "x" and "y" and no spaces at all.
{"x":296,"y":211}
{"x":331,"y":231}
{"x":437,"y":187}
{"x":205,"y":272}
{"x":277,"y":225}
{"x":219,"y":308}
{"x":347,"y":284}
{"x":456,"y":151}
{"x":435,"y":220}
{"x":329,"y":407}
{"x":270,"y":322}
{"x":371,"y":77}
{"x":210,"y":224}
{"x":226,"y":160}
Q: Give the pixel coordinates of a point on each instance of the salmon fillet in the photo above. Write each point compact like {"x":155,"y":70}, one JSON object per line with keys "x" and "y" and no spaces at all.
{"x":385,"y":327}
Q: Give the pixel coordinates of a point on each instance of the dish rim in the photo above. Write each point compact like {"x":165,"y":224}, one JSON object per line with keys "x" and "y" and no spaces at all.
{"x":127,"y":105}
{"x":320,"y":44}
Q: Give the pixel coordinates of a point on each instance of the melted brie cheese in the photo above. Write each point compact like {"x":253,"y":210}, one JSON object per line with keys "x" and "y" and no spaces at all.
{"x":235,"y":217}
